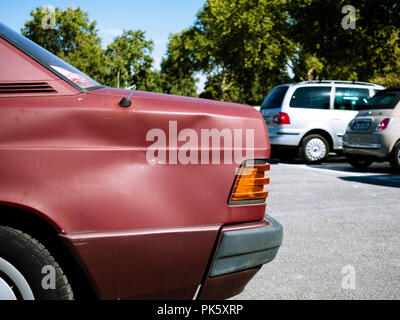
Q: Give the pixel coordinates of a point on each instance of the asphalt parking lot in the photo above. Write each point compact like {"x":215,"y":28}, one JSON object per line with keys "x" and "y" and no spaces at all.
{"x":335,"y":219}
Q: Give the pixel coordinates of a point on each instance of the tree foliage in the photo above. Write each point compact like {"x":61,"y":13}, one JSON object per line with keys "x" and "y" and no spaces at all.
{"x":181,"y":63}
{"x":242,"y":47}
{"x":74,"y":39}
{"x":370,"y":51}
{"x":238,"y":44}
{"x":247,"y":46}
{"x":129,"y":60}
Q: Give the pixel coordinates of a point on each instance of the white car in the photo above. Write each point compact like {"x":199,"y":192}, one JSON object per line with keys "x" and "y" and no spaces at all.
{"x":312,"y":116}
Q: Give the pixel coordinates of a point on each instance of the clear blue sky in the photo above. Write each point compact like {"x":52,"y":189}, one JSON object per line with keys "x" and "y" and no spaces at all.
{"x":158,"y":18}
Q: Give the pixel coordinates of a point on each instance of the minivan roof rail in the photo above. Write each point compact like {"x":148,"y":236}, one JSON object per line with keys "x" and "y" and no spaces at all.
{"x":342,"y":82}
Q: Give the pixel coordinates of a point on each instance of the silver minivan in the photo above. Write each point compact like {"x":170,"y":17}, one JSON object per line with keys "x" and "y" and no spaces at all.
{"x":311,"y":117}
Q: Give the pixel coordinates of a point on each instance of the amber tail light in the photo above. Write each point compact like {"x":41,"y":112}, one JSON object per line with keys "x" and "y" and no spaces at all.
{"x":249,"y":183}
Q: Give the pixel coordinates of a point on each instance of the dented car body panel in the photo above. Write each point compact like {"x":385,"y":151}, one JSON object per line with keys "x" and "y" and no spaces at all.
{"x":141,"y":225}
{"x":82,"y":143}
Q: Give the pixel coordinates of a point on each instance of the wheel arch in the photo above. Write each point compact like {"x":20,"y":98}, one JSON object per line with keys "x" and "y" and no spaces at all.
{"x":320,"y":132}
{"x":393,"y":145}
{"x":46,"y":231}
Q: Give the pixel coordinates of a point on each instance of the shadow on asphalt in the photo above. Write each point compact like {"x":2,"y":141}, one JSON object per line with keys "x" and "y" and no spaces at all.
{"x":387,"y":177}
{"x":381,"y":180}
{"x":339,"y":163}
{"x":332,"y":159}
{"x":376,"y":167}
{"x":345,"y":167}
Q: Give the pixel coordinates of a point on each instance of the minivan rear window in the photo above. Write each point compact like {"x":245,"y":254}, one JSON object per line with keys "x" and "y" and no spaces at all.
{"x":275,"y":98}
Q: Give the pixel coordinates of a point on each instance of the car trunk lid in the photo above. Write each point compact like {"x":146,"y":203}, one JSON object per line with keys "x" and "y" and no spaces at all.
{"x":368,"y":120}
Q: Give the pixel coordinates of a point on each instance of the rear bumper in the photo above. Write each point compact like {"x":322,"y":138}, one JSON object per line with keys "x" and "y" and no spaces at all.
{"x":242,"y":250}
{"x":285,"y":138}
{"x":374,"y":145}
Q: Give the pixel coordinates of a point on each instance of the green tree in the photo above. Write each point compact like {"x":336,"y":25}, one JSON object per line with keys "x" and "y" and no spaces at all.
{"x":74,"y":39}
{"x":129,"y":60}
{"x":181,"y":63}
{"x":217,"y":87}
{"x":328,"y":51}
{"x":389,"y":75}
{"x":250,"y":44}
{"x":243,"y":46}
{"x":154,"y":82}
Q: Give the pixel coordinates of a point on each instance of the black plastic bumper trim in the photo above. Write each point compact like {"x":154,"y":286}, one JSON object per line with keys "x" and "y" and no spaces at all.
{"x":245,"y":249}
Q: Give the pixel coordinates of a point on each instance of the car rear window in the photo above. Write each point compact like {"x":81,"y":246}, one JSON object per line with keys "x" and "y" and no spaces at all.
{"x":275,"y":98}
{"x":383,"y":101}
{"x":311,"y":98}
{"x":351,"y":98}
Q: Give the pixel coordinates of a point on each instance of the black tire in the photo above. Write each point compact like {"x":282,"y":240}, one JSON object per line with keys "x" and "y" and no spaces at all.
{"x":321,"y":143}
{"x":359,"y":162}
{"x":395,"y":158}
{"x":32,"y":260}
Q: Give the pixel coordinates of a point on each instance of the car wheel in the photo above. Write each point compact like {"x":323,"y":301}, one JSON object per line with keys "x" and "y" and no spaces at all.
{"x":314,"y":149}
{"x":358,"y":162}
{"x":28,"y":271}
{"x":395,"y":157}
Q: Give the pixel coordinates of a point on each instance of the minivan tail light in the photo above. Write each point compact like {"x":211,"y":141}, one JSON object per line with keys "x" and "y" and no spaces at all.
{"x":249,"y":183}
{"x":281,"y":118}
{"x":384,"y":124}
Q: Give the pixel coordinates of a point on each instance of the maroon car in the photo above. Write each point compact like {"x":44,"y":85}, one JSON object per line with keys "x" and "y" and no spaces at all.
{"x":118,"y":194}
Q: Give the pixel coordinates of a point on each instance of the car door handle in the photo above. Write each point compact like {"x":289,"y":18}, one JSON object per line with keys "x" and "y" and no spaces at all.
{"x":335,"y":119}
